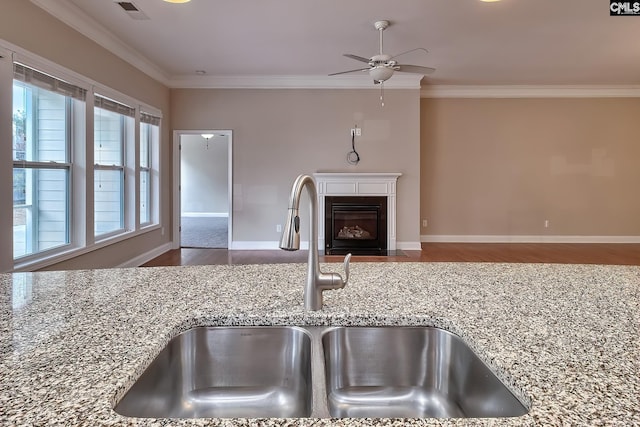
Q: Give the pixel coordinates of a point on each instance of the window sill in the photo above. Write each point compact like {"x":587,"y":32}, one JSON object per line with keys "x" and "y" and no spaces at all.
{"x":70,"y":253}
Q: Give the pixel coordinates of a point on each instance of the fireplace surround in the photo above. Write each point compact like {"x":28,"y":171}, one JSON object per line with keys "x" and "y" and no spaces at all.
{"x":358,"y":185}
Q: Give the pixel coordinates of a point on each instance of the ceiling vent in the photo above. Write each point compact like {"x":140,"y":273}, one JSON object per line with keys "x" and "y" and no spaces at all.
{"x":132,"y":10}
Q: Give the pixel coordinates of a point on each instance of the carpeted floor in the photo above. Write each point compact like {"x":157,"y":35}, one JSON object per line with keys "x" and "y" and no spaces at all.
{"x":203,"y":232}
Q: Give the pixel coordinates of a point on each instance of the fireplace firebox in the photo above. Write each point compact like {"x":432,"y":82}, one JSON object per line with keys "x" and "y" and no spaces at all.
{"x":355,"y":224}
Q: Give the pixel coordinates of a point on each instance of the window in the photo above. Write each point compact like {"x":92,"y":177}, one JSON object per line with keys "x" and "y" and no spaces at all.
{"x":149,"y":141}
{"x":84,"y":163}
{"x":113,"y":124}
{"x":42,"y":109}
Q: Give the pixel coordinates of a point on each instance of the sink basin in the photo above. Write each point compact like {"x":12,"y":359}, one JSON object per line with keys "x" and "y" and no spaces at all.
{"x":225,"y":372}
{"x":413,"y":372}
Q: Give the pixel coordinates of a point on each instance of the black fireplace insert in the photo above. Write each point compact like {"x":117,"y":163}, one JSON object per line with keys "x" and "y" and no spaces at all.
{"x":355,"y":224}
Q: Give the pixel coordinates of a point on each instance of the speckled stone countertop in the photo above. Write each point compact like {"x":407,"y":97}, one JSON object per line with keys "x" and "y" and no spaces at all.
{"x":566,"y":337}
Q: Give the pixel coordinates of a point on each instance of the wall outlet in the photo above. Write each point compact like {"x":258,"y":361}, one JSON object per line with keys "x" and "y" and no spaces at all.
{"x":279,"y":228}
{"x":546,"y":223}
{"x":424,"y":223}
{"x":356,"y":131}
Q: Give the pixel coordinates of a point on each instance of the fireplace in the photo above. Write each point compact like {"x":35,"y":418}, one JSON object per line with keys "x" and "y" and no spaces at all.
{"x":355,"y":224}
{"x":358,"y":185}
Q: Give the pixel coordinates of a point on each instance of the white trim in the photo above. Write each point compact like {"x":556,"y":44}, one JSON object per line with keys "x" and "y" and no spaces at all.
{"x":246,"y":245}
{"x":358,"y":184}
{"x":409,"y":246}
{"x":526,"y":239}
{"x":70,"y":14}
{"x":6,"y":171}
{"x":206,"y":214}
{"x":176,"y":209}
{"x":73,"y":16}
{"x":398,"y":81}
{"x":74,"y":252}
{"x":146,"y":257}
{"x":531,"y":91}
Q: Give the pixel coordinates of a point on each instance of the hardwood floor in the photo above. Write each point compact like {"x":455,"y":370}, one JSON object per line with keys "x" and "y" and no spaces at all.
{"x":564,"y":253}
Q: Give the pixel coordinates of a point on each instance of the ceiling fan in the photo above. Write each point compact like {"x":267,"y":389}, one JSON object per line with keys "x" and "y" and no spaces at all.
{"x":382,"y":66}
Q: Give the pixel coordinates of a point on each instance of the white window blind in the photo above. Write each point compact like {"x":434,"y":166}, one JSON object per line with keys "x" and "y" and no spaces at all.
{"x":114,"y":106}
{"x":149,"y":118}
{"x":45,"y":81}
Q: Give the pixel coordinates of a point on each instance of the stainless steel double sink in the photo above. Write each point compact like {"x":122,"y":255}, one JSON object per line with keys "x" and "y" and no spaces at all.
{"x":319,"y":372}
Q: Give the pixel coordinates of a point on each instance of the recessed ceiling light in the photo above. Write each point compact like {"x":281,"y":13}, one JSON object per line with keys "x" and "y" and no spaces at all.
{"x":177,"y":1}
{"x":201,"y":72}
{"x":486,"y":1}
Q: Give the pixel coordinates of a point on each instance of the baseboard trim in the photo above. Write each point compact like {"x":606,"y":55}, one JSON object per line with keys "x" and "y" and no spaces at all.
{"x":147,"y":256}
{"x":205,"y":214}
{"x":409,"y":246}
{"x":245,"y":245}
{"x":441,"y":238}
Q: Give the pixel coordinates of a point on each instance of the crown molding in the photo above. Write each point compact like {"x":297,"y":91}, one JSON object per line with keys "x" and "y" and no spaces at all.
{"x":530,"y":91}
{"x":71,"y":15}
{"x":398,"y":81}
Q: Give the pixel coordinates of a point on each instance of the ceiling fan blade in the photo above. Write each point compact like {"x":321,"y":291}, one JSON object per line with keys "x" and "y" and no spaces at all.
{"x":357,"y":58}
{"x":350,"y":71}
{"x":409,"y":51}
{"x":414,"y":69}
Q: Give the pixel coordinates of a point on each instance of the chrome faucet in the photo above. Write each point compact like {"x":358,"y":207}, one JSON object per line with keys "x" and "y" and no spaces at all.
{"x":317,"y":281}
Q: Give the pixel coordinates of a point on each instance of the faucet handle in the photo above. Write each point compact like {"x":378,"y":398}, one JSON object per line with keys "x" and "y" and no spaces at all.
{"x":347,"y":260}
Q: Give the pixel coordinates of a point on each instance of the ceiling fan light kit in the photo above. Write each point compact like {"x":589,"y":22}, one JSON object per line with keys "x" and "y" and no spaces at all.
{"x":380,"y":73}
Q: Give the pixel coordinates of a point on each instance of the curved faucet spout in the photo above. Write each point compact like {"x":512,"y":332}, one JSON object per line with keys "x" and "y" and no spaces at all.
{"x":317,"y":281}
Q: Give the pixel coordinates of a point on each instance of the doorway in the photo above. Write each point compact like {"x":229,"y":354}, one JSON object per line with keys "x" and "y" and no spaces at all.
{"x":202,"y":185}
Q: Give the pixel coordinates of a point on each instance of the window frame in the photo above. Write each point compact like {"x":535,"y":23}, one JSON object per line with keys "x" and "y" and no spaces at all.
{"x":80,"y":214}
{"x":97,"y":166}
{"x":142,"y":168}
{"x":152,"y":119}
{"x":32,"y":242}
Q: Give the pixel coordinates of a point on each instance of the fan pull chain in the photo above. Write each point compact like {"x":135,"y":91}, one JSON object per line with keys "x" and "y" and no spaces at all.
{"x":382,"y":94}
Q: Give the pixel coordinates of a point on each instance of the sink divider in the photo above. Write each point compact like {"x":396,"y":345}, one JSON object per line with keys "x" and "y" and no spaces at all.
{"x":319,"y":406}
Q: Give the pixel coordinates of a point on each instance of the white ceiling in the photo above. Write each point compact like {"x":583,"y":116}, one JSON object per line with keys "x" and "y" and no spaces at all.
{"x":511,"y":42}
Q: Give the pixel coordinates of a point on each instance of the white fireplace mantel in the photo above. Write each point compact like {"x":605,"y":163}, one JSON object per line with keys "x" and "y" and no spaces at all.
{"x":358,"y":184}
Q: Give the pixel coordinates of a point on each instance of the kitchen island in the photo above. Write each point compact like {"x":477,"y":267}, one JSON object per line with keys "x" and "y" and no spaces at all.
{"x":565,"y":338}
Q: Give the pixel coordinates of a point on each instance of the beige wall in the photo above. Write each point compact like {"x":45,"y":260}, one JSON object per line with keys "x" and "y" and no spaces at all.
{"x":279,"y":134}
{"x":31,"y":28}
{"x":504,"y":166}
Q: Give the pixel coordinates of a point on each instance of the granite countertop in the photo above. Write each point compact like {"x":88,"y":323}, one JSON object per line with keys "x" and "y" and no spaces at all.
{"x":566,"y":337}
